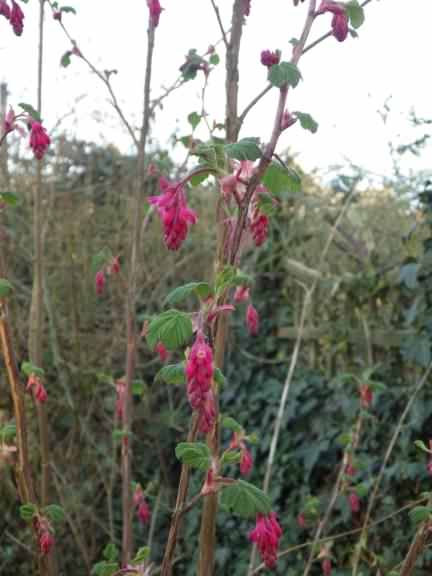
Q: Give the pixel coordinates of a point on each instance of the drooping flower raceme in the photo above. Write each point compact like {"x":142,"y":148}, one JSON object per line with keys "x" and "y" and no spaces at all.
{"x":199,"y":375}
{"x":142,"y":507}
{"x":266,"y":536}
{"x":45,"y":535}
{"x":340,"y":18}
{"x":252,"y":320}
{"x":39,"y":139}
{"x":176,"y":216}
{"x":17,"y":18}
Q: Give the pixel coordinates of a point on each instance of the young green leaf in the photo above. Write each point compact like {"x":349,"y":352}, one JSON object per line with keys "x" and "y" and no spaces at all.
{"x":214,"y":59}
{"x":422,"y":446}
{"x":65,"y":60}
{"x":27,"y":511}
{"x":200,"y":289}
{"x":244,"y":149}
{"x":278,"y":179}
{"x":172,"y":374}
{"x":307,"y":122}
{"x":110,"y":552}
{"x":194,"y":119}
{"x":105,"y":568}
{"x":219,"y":377}
{"x":5,"y":288}
{"x":8,"y":432}
{"x":67,"y":9}
{"x":420,"y":514}
{"x":231,"y":457}
{"x":54,"y":512}
{"x":231,"y":424}
{"x":30,"y":111}
{"x":194,"y":454}
{"x":245,"y":499}
{"x":9,"y":198}
{"x":355,"y":13}
{"x":142,"y":555}
{"x":28,"y":368}
{"x":283,"y":74}
{"x":173,"y":328}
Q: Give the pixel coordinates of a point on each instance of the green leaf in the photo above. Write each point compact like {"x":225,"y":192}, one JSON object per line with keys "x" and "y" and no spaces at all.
{"x":119,"y":433}
{"x":355,"y":13}
{"x":5,"y":288}
{"x":54,"y":512}
{"x":420,"y":514}
{"x":200,"y":289}
{"x":219,"y":377}
{"x":28,"y":368}
{"x":194,"y":119}
{"x":69,"y":9}
{"x":27,"y":511}
{"x":244,"y":149}
{"x":245,"y":499}
{"x":195,"y":454}
{"x":8,"y":432}
{"x":214,"y":59}
{"x":105,"y":568}
{"x":422,"y":446}
{"x":278,"y":179}
{"x":307,"y":122}
{"x":361,"y":490}
{"x":344,"y":439}
{"x":284,"y":73}
{"x":173,"y":328}
{"x":138,"y":387}
{"x":231,"y":457}
{"x":408,"y":275}
{"x":9,"y":198}
{"x":231,"y":424}
{"x":30,"y":111}
{"x":142,"y":555}
{"x":110,"y":552}
{"x":172,"y":374}
{"x":266,"y":204}
{"x":229,"y":277}
{"x":65,"y":60}
{"x":101,"y":259}
{"x":200,"y":176}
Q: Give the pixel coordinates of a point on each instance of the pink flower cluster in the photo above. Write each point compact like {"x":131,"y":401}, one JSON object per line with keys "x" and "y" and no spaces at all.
{"x":34,"y":384}
{"x":140,"y":503}
{"x":155,"y":11}
{"x":339,"y":22}
{"x":14,"y":14}
{"x":45,"y":535}
{"x":269,"y":58}
{"x":110,"y":269}
{"x":199,"y":375}
{"x":174,"y":213}
{"x":246,"y":460}
{"x":266,"y":536}
{"x":366,"y":396}
{"x":39,"y":139}
{"x":242,"y":294}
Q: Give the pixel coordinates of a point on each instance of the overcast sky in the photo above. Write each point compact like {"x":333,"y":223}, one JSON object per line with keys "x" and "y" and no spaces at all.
{"x":344,"y":84}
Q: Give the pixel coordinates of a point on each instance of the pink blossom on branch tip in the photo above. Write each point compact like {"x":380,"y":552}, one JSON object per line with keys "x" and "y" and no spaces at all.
{"x":17,"y":18}
{"x":252,"y":320}
{"x":155,"y":11}
{"x":269,"y":58}
{"x":266,"y":536}
{"x":100,"y":281}
{"x":246,"y":461}
{"x":39,"y":139}
{"x":339,"y":22}
{"x":241,"y":294}
{"x":4,"y":9}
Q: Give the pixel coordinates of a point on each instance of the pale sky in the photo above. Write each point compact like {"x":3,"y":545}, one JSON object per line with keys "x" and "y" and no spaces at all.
{"x":344,"y":84}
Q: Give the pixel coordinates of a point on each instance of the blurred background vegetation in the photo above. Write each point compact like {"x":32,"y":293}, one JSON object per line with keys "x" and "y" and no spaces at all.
{"x":371,"y":311}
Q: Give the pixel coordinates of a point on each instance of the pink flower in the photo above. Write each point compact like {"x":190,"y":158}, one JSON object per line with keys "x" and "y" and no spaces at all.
{"x":199,"y":371}
{"x":246,"y":461}
{"x":350,"y":470}
{"x":120,"y":398}
{"x":34,"y":384}
{"x":115,"y":265}
{"x":269,"y":58}
{"x":17,"y":18}
{"x":143,"y":512}
{"x":354,"y":502}
{"x":162,"y":351}
{"x":9,"y":122}
{"x":39,"y":139}
{"x":57,"y":15}
{"x":258,"y":221}
{"x":241,"y":294}
{"x":4,"y":9}
{"x":340,"y":18}
{"x":266,"y":536}
{"x":246,"y":6}
{"x":252,"y":320}
{"x":100,"y":282}
{"x":366,"y":396}
{"x":45,"y":536}
{"x":174,"y":213}
{"x":326,"y":567}
{"x":155,"y":11}
{"x":207,"y":413}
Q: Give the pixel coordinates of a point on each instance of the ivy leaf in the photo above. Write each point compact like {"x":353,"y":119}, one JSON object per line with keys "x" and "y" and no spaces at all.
{"x":194,"y":454}
{"x":54,"y":512}
{"x":278,"y":179}
{"x":28,"y":368}
{"x":355,"y":13}
{"x":420,"y":514}
{"x":284,"y":73}
{"x":231,"y":424}
{"x":307,"y":122}
{"x":173,"y":328}
{"x":30,"y":111}
{"x":142,"y":554}
{"x":245,"y":499}
{"x":5,"y":288}
{"x":27,"y":511}
{"x":8,"y":198}
{"x":244,"y":149}
{"x":194,"y":119}
{"x":172,"y":374}
{"x":201,"y":289}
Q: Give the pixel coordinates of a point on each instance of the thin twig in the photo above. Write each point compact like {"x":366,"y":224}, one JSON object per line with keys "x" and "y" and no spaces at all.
{"x":218,"y":17}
